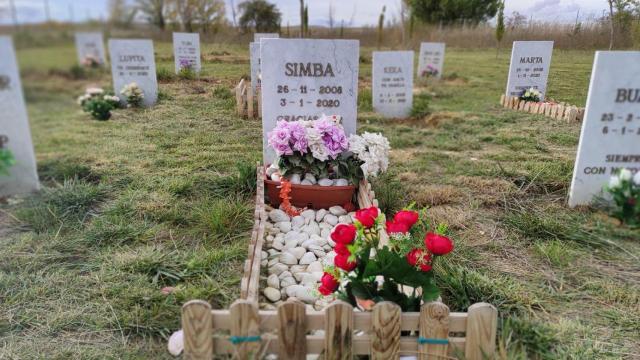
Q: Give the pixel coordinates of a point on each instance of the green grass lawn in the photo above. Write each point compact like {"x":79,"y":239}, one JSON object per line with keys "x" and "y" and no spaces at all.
{"x":162,"y":197}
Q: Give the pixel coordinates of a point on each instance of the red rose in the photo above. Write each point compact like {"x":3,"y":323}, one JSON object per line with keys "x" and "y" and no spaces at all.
{"x":367,"y":217}
{"x":407,"y":217}
{"x":438,"y":244}
{"x":344,"y":233}
{"x":328,"y":284}
{"x":420,"y":258}
{"x":413,"y":255}
{"x":342,"y":262}
{"x":324,"y":290}
{"x":341,"y":249}
{"x":394,"y":227}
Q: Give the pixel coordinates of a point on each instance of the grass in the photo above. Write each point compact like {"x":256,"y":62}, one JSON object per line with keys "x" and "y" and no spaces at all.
{"x":161,"y":197}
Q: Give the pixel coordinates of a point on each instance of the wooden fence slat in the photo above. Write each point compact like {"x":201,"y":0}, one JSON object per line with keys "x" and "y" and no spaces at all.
{"x":502,"y":99}
{"x":196,"y":325}
{"x":292,"y":331}
{"x":385,"y":323}
{"x":434,"y":326}
{"x":250,"y":102}
{"x":482,"y":323}
{"x":338,"y":331}
{"x":239,"y":88}
{"x":245,"y":323}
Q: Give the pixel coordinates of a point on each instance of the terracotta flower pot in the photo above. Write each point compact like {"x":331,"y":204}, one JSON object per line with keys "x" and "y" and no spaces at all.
{"x":311,"y":196}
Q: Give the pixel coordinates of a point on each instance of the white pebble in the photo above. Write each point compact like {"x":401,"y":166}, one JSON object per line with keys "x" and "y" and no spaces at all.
{"x":308,"y":258}
{"x":341,"y":182}
{"x":337,"y":210}
{"x":277,"y":215}
{"x":298,"y":252}
{"x":273,"y":281}
{"x":331,"y":219}
{"x":325,"y":182}
{"x":315,"y":266}
{"x":295,"y":179}
{"x":288,"y":258}
{"x":272,"y":294}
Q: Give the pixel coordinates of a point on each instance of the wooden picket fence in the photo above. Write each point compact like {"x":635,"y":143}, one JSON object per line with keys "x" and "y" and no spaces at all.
{"x":558,"y":111}
{"x":248,"y":103}
{"x":245,"y":332}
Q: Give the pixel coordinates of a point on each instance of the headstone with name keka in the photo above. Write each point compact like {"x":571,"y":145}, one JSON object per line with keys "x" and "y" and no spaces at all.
{"x":610,"y":137}
{"x":431,"y":60}
{"x":186,"y":51}
{"x":303,"y":79}
{"x":258,"y":36}
{"x":393,"y":83}
{"x":15,"y":135}
{"x":254,"y":58}
{"x":90,"y":48}
{"x":529,"y":68}
{"x":132,"y":61}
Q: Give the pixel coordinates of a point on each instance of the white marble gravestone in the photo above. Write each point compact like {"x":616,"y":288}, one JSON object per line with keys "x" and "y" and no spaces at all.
{"x":258,"y":36}
{"x":14,"y":126}
{"x":393,"y":83}
{"x":431,"y":57}
{"x":90,"y":44}
{"x":610,"y":137}
{"x":133,"y":61}
{"x":254,"y":56}
{"x":186,"y":51}
{"x":303,"y":79}
{"x":529,"y":68}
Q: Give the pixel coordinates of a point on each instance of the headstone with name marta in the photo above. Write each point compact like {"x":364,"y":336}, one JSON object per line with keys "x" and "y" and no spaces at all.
{"x":530,"y":62}
{"x":258,"y":36}
{"x":89,"y":45}
{"x":186,"y":51}
{"x":610,"y":137}
{"x":431,"y":60}
{"x":254,"y":56}
{"x":393,"y":82}
{"x":303,"y":79}
{"x":14,"y":127}
{"x":132,"y":61}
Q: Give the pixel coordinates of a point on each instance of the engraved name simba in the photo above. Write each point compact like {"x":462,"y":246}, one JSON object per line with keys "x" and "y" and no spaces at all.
{"x":308,"y":69}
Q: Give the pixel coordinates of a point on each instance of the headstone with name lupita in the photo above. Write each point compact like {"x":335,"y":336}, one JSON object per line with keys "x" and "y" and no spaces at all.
{"x":610,"y":137}
{"x":431,"y":60}
{"x":258,"y":36}
{"x":186,"y":51}
{"x":302,"y":79}
{"x":89,"y":45}
{"x":530,"y":62}
{"x":133,"y":61}
{"x":14,"y":127}
{"x":393,"y":82}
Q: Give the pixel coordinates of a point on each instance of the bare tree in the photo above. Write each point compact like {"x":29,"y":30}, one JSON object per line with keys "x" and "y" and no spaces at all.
{"x":120,"y":13}
{"x":210,"y":14}
{"x":154,"y":11}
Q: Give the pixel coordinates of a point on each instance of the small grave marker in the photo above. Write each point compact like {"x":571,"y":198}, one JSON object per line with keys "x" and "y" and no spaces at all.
{"x":186,"y":51}
{"x":133,"y":61}
{"x":610,"y":137}
{"x":393,"y":82}
{"x":431,"y":59}
{"x":90,"y":45}
{"x":529,"y":68}
{"x":15,"y":134}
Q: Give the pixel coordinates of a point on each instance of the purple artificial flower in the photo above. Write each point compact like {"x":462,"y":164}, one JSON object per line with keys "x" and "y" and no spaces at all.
{"x":298,"y":137}
{"x":279,"y":138}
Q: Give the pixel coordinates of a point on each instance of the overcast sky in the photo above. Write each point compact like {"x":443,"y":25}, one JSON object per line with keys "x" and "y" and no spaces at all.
{"x":354,"y":12}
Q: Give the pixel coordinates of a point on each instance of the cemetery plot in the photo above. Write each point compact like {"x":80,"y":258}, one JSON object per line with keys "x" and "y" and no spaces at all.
{"x":132,"y":61}
{"x":15,"y":136}
{"x":610,"y":137}
{"x":431,"y":61}
{"x":558,"y":111}
{"x":90,"y":48}
{"x":302,"y":79}
{"x":529,"y":68}
{"x":186,"y":51}
{"x":393,"y":82}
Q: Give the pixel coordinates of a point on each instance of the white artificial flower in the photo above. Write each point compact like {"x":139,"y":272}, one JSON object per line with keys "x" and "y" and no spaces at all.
{"x":614,"y":182}
{"x":636,"y":178}
{"x":625,"y":175}
{"x":373,"y":150}
{"x":316,"y":144}
{"x":95,"y":91}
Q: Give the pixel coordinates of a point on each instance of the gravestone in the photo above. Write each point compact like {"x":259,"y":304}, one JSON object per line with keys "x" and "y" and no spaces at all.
{"x":258,"y":36}
{"x":393,"y":83}
{"x":529,"y":68}
{"x":610,"y":137}
{"x":90,"y":44}
{"x":431,"y":58}
{"x":254,"y":56}
{"x":14,"y":127}
{"x":133,"y":61}
{"x":302,"y":79}
{"x":186,"y":51}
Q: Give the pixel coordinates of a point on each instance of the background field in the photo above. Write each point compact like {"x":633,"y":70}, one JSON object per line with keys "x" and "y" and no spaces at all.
{"x":162,"y":197}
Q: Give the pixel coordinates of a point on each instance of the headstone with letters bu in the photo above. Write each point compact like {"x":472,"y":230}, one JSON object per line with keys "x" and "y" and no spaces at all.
{"x":15,"y":135}
{"x":610,"y":137}
{"x":186,"y":51}
{"x":529,"y":68}
{"x":132,"y":61}
{"x":431,"y":60}
{"x":258,"y":36}
{"x":393,"y":83}
{"x":90,"y":48}
{"x":303,"y":79}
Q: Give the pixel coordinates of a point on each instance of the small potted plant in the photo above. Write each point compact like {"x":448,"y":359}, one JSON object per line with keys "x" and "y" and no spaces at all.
{"x":318,"y":166}
{"x":430,"y":71}
{"x":531,"y":95}
{"x":624,"y":188}
{"x":98,"y":103}
{"x":133,"y":95}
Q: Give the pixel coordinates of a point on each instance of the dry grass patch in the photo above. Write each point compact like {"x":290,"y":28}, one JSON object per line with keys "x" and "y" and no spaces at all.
{"x":433,"y":195}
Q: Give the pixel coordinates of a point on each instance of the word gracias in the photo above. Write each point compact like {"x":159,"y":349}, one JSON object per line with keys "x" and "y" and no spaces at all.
{"x":308,"y":69}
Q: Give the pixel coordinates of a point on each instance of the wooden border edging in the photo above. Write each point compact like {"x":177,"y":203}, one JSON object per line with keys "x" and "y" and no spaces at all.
{"x":561,"y":111}
{"x":245,"y":331}
{"x":248,"y":102}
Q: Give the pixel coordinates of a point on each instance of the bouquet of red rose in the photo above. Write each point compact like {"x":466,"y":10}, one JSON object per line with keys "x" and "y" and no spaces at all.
{"x":364,"y":274}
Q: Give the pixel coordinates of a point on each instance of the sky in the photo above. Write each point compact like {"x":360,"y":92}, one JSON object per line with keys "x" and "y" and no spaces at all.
{"x":352,"y":12}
